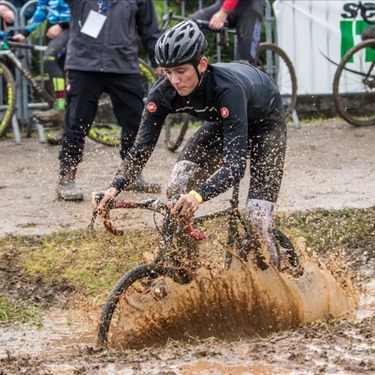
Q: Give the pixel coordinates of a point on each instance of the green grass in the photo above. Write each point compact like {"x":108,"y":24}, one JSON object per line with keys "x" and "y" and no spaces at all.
{"x":23,"y":312}
{"x":91,"y":262}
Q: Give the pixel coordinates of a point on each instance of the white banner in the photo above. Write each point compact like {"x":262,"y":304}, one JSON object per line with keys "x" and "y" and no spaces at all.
{"x":316,"y":34}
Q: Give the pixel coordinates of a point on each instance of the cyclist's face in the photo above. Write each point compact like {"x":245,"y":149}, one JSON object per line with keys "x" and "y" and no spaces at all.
{"x":184,"y":78}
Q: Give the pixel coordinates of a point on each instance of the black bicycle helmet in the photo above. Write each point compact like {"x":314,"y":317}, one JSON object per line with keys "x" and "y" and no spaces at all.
{"x":179,"y":45}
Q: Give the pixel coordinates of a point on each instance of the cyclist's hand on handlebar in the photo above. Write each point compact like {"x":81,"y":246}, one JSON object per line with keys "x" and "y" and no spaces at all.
{"x":186,"y":206}
{"x":18,"y":38}
{"x":217,"y":21}
{"x":100,"y":200}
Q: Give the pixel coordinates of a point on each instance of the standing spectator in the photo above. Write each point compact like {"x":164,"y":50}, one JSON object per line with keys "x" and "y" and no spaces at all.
{"x":103,"y":57}
{"x":57,"y":14}
{"x":245,"y":15}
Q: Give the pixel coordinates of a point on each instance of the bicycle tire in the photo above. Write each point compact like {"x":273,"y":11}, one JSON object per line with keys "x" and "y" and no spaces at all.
{"x":107,"y":132}
{"x":282,"y":73}
{"x":175,"y":130}
{"x":354,"y":85}
{"x":285,"y":243}
{"x":149,"y":270}
{"x":9,"y":98}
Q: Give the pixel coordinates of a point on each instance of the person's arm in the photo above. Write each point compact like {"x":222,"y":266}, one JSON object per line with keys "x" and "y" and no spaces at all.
{"x":235,"y":133}
{"x":148,"y":28}
{"x":153,"y":117}
{"x":37,"y":19}
{"x":30,"y":10}
{"x":218,"y":19}
{"x":229,"y":5}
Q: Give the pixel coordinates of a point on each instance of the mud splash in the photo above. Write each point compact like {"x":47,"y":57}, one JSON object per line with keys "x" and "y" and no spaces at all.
{"x":228,"y":304}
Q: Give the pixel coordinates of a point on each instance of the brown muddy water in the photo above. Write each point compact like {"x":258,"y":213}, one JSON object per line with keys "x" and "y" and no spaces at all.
{"x":243,"y":301}
{"x":242,"y":308}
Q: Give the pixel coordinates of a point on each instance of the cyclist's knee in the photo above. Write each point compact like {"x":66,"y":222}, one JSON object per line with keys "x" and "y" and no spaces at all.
{"x":259,"y":214}
{"x":183,"y":177}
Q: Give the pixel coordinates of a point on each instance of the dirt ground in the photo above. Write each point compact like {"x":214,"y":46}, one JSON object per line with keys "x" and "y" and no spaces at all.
{"x":329,"y":165}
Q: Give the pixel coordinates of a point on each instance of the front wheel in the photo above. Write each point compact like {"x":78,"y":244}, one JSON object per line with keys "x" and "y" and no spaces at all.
{"x":354,"y":85}
{"x":136,"y":288}
{"x":273,"y":61}
{"x":8,"y":98}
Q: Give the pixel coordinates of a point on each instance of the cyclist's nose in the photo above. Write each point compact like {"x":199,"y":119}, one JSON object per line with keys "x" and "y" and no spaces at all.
{"x":174,"y":78}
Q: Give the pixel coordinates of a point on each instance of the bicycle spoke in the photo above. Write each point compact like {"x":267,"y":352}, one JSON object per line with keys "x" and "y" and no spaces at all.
{"x":354,"y":85}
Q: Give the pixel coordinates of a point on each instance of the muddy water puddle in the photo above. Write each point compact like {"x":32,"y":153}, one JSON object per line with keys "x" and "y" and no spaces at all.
{"x":63,"y":332}
{"x":69,"y":333}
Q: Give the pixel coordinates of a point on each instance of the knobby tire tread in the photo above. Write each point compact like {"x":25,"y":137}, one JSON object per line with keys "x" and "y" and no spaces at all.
{"x":287,"y":244}
{"x":150,"y":270}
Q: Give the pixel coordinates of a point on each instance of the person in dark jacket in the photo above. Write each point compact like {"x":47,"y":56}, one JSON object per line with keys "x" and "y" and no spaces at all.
{"x":244,"y":115}
{"x":244,"y":15}
{"x":102,"y":56}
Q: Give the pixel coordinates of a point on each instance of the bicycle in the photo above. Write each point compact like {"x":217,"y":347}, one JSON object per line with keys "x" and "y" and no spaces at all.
{"x":271,"y":60}
{"x":354,"y":81}
{"x":102,"y":132}
{"x":177,"y":253}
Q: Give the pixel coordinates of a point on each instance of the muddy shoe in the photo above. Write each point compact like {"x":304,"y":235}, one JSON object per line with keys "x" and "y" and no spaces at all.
{"x":67,"y":191}
{"x":55,"y":139}
{"x":141,"y":186}
{"x":50,"y":116}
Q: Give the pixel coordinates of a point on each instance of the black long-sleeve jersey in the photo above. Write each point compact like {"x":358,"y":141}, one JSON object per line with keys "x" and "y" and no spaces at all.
{"x":235,"y":96}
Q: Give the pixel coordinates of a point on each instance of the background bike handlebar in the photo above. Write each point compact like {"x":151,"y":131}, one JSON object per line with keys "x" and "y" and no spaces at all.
{"x":200,"y":23}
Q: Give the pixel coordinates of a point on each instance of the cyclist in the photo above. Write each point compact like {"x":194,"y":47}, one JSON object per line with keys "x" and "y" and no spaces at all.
{"x":57,"y":15}
{"x":245,"y":15}
{"x":243,"y":113}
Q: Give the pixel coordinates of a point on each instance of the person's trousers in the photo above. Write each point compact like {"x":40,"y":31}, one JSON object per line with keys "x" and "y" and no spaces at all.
{"x":83,"y":92}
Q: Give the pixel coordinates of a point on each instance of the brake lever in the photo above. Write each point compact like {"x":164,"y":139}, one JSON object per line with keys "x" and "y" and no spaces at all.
{"x":98,"y":197}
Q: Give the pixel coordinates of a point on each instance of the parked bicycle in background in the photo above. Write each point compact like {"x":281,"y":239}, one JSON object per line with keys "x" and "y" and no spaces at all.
{"x":354,"y":80}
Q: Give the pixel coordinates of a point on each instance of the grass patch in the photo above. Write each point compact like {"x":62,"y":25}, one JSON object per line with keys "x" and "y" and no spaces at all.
{"x":91,"y":262}
{"x":23,"y":312}
{"x":325,"y":230}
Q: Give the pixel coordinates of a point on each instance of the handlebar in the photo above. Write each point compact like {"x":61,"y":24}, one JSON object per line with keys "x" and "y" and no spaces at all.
{"x":5,"y":38}
{"x":201,"y":23}
{"x":26,"y":46}
{"x":151,"y":204}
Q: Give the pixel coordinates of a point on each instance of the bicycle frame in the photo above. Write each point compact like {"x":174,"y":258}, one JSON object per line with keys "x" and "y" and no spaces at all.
{"x":6,"y":53}
{"x":174,"y":225}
